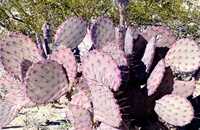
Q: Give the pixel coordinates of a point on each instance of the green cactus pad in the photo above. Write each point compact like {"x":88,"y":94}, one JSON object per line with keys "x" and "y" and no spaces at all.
{"x":71,"y":32}
{"x":184,"y":56}
{"x":46,"y":81}
{"x":79,"y":117}
{"x":14,"y":49}
{"x":167,"y":38}
{"x":175,"y":110}
{"x":103,"y":31}
{"x":105,"y":106}
{"x":100,"y":69}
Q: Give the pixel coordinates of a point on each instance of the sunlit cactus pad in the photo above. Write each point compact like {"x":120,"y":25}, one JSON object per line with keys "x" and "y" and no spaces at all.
{"x":12,"y":90}
{"x":65,"y":57}
{"x":45,"y":81}
{"x":100,"y":69}
{"x":113,"y":49}
{"x":80,"y":118}
{"x":105,"y":106}
{"x":149,"y":53}
{"x":183,"y":88}
{"x":156,"y":77}
{"x":175,"y":110}
{"x":167,"y":38}
{"x":71,"y":32}
{"x":184,"y":56}
{"x":14,"y":48}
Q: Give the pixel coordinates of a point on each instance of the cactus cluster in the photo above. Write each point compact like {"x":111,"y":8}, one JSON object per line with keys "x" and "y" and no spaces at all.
{"x":112,"y":85}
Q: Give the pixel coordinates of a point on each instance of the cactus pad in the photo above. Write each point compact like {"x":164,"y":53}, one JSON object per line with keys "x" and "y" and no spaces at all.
{"x":14,"y":49}
{"x":149,"y":53}
{"x":65,"y":57}
{"x":167,"y":36}
{"x":71,"y":32}
{"x":104,"y":126}
{"x":46,"y":81}
{"x":196,"y":92}
{"x":131,"y":35}
{"x":183,"y":88}
{"x":103,"y":31}
{"x":11,"y":90}
{"x":174,"y":110}
{"x":100,"y":69}
{"x":79,"y":117}
{"x":82,"y":97}
{"x":8,"y":112}
{"x":116,"y":53}
{"x":184,"y":56}
{"x":156,"y":77}
{"x":105,"y":107}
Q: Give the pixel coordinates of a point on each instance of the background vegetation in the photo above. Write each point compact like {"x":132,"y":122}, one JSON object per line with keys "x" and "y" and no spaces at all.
{"x":28,"y":16}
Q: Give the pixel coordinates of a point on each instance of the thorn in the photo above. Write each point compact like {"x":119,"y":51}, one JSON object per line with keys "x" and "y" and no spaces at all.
{"x":122,"y":99}
{"x":125,"y":107}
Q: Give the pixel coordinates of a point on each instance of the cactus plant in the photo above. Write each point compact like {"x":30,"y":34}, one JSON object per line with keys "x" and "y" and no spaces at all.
{"x":107,"y":74}
{"x":79,"y":117}
{"x":103,"y":31}
{"x":71,"y":32}
{"x":106,"y":108}
{"x":149,"y":53}
{"x":13,"y":92}
{"x":15,"y":48}
{"x":168,"y":37}
{"x":45,"y":81}
{"x":108,"y":89}
{"x":65,"y":57}
{"x":179,"y":57}
{"x":183,"y":88}
{"x":156,"y":77}
{"x":175,"y":110}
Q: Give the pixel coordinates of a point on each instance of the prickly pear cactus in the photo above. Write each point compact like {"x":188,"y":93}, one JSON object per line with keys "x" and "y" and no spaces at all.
{"x":14,"y":49}
{"x":183,"y":88}
{"x":105,"y":106}
{"x":65,"y":57}
{"x":11,"y":90}
{"x":103,"y":31}
{"x":149,"y":53}
{"x":71,"y":32}
{"x":79,"y":117}
{"x":8,"y":111}
{"x":46,"y":81}
{"x":175,"y":110}
{"x":113,"y":49}
{"x":83,"y":97}
{"x":184,"y":56}
{"x":156,"y":77}
{"x":167,"y":39}
{"x":100,"y":69}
